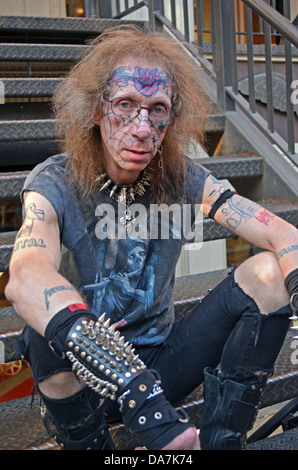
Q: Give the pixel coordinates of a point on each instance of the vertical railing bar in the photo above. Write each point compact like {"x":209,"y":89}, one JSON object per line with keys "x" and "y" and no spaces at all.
{"x":218,"y":53}
{"x":186,"y":20}
{"x":213,"y":35}
{"x":250,"y":60}
{"x":162,"y":7}
{"x":151,"y":15}
{"x":173,"y":13}
{"x":232,"y":31}
{"x":117,"y":7}
{"x":269,"y":79}
{"x":289,"y":79}
{"x":260,"y":24}
{"x":273,"y":4}
{"x":200,"y":23}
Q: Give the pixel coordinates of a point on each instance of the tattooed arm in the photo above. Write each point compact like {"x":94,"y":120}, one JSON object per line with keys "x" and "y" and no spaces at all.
{"x":35,"y":288}
{"x":255,"y":224}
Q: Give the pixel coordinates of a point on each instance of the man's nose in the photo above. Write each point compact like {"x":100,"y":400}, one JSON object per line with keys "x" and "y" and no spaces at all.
{"x":142,"y":123}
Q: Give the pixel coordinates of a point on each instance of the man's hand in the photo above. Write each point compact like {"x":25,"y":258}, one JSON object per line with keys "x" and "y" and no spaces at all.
{"x":188,"y":440}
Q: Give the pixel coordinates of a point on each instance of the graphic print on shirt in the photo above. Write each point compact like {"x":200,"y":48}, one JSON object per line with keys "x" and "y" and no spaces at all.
{"x":124,"y":288}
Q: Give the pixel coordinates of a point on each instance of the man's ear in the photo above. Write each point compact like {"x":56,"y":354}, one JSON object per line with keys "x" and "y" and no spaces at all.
{"x":97,"y":116}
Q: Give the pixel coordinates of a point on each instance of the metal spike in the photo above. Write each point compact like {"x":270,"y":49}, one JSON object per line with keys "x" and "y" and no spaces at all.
{"x":104,"y":186}
{"x":113,"y":349}
{"x":119,"y":355}
{"x":107,"y":323}
{"x":106,"y":344}
{"x":127,"y":349}
{"x":293,"y":318}
{"x":112,"y":330}
{"x":113,"y":190}
{"x":129,"y":359}
{"x":100,"y":338}
{"x":84,"y":327}
{"x":101,"y":319}
{"x":100,"y":177}
{"x":91,"y":334}
{"x":120,"y":343}
{"x":116,"y":336}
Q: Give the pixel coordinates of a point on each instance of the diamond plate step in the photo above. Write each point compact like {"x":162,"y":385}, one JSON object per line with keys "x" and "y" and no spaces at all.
{"x":14,"y":131}
{"x":188,"y":291}
{"x":40,"y":129}
{"x":222,"y":167}
{"x":79,"y":26}
{"x":283,"y":441}
{"x":42,"y":52}
{"x":22,"y":426}
{"x":30,"y":87}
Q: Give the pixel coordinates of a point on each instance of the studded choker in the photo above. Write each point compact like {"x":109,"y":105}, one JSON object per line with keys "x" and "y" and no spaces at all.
{"x":125,"y":194}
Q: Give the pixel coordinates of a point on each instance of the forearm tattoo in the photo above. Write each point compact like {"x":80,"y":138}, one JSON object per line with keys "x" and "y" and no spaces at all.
{"x":286,"y":250}
{"x":49,"y":292}
{"x":237,"y":210}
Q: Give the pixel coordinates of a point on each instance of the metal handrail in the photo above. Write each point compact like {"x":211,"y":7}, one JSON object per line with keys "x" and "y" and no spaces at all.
{"x":223,"y":67}
{"x":275,"y":19}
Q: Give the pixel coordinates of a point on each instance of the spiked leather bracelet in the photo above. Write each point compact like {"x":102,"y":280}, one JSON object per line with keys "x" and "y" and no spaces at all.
{"x":291,"y":283}
{"x":108,"y":364}
{"x":101,"y":358}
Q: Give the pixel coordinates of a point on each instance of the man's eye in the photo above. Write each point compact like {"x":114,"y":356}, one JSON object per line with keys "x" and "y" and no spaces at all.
{"x":125,"y":105}
{"x":159,"y":110}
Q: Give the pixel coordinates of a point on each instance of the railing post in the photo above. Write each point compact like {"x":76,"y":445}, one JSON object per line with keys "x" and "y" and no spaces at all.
{"x":289,"y":79}
{"x":222,"y":52}
{"x":92,"y":8}
{"x":105,"y":9}
{"x":154,"y":5}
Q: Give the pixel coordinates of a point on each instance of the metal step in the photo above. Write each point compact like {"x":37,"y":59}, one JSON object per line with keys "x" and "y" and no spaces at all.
{"x":221,"y":167}
{"x":14,"y":131}
{"x":22,"y":426}
{"x":11,"y":184}
{"x":283,"y":441}
{"x":37,"y":129}
{"x":231,"y":167}
{"x":45,"y":25}
{"x":188,"y":292}
{"x":30,"y":87}
{"x":42,"y":52}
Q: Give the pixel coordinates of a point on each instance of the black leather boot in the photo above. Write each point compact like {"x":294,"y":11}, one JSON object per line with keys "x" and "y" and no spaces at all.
{"x":230,"y":410}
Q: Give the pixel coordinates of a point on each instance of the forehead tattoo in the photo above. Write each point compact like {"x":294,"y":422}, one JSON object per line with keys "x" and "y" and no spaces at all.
{"x":146,"y":81}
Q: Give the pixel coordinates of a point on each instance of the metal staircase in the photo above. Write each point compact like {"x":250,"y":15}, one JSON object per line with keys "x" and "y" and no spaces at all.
{"x":44,"y":49}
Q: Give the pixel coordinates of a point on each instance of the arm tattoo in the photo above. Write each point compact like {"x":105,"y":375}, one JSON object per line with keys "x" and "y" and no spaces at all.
{"x":28,"y":243}
{"x":284,"y":251}
{"x":264,"y":216}
{"x":238,"y":210}
{"x":32,"y":213}
{"x":49,"y":292}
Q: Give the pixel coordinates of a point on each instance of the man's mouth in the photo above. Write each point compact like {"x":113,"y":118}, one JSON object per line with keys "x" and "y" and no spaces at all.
{"x":136,"y":153}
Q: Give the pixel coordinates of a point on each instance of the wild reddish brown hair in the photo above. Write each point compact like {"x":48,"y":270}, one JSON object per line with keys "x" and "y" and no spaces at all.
{"x":80,"y":94}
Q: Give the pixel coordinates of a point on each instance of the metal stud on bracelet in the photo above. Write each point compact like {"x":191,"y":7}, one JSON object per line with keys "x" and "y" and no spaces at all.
{"x":101,"y":357}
